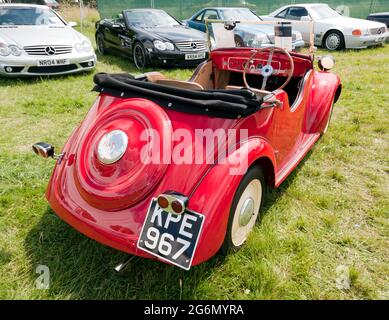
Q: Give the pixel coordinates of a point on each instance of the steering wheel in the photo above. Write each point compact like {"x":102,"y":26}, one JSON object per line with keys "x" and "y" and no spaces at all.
{"x":267,"y":70}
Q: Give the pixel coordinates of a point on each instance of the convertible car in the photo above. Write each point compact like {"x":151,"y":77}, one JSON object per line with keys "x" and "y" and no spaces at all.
{"x":177,"y":170}
{"x":151,"y":37}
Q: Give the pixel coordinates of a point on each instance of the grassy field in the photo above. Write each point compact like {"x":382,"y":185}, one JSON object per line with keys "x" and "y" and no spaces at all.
{"x":332,"y":211}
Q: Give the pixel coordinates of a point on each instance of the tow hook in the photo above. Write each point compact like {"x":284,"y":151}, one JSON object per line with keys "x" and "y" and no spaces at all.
{"x":46,"y":150}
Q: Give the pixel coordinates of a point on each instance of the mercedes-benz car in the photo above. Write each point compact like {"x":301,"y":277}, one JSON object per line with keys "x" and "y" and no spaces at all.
{"x":151,"y":37}
{"x":246,"y":35}
{"x":332,"y":30}
{"x":35,"y":40}
{"x":53,"y":4}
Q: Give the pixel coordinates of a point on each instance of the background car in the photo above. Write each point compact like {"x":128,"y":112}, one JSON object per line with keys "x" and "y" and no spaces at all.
{"x":332,"y":30}
{"x":152,"y":36}
{"x":245,"y":34}
{"x":379,"y":17}
{"x":50,"y":3}
{"x":35,"y":40}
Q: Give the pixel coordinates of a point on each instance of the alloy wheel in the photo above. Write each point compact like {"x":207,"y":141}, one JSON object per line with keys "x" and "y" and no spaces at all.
{"x":139,"y":56}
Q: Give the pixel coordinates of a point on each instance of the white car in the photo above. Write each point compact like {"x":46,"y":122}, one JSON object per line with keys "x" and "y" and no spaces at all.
{"x":332,"y":30}
{"x":35,"y":40}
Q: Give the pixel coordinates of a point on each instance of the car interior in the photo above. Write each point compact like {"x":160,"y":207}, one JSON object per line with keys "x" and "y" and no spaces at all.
{"x":224,"y":71}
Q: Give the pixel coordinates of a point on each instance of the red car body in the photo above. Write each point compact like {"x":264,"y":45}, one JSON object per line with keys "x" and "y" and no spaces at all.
{"x":109,"y":203}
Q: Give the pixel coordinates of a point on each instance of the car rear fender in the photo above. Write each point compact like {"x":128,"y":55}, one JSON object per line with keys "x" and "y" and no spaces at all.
{"x":215,"y":191}
{"x":325,"y":91}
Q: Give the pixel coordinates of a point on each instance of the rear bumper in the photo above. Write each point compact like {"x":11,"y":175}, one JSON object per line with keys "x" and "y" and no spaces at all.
{"x":80,"y":219}
{"x":28,"y":66}
{"x":353,"y":42}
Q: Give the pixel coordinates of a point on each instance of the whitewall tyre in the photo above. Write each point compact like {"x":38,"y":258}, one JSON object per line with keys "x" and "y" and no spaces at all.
{"x":245,"y":209}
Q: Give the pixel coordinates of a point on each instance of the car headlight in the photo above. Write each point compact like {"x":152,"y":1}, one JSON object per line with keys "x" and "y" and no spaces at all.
{"x":162,"y":46}
{"x":4,"y":50}
{"x":169,"y":46}
{"x":15,"y":50}
{"x":84,"y":46}
{"x":159,"y":45}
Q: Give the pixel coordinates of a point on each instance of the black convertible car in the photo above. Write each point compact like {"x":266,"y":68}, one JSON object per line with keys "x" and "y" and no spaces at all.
{"x":152,"y":36}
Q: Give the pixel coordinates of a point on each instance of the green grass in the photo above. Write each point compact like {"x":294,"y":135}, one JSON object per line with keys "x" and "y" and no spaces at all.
{"x":332,"y":210}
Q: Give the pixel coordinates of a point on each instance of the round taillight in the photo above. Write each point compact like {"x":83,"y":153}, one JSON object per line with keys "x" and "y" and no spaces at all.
{"x":177,"y":207}
{"x":163,"y":202}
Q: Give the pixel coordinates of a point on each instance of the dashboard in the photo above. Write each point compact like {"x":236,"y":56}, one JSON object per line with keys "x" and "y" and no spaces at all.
{"x":235,"y":59}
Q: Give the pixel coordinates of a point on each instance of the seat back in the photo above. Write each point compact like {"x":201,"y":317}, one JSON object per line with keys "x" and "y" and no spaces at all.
{"x":180,"y":84}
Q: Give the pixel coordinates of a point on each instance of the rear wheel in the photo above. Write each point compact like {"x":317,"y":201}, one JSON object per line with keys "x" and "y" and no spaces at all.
{"x":100,"y":43}
{"x":334,"y":40}
{"x":245,"y":209}
{"x":139,"y":56}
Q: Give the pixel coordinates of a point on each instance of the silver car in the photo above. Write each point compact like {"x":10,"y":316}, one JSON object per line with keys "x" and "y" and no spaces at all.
{"x":35,"y":40}
{"x":332,"y":30}
{"x":245,"y":34}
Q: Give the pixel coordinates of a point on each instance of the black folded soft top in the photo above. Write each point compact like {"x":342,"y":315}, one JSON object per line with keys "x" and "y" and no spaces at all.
{"x":230,"y":104}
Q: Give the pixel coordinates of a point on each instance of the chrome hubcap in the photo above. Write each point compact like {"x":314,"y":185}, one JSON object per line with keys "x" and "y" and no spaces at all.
{"x":246,"y":212}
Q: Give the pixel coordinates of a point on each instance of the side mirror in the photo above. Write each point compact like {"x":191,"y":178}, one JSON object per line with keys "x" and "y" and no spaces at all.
{"x":117,"y":26}
{"x":43,"y":150}
{"x":229,"y":25}
{"x":72,"y":24}
{"x":306,"y":18}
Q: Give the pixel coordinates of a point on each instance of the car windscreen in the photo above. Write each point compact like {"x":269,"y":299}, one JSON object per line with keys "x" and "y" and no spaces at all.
{"x":323,"y":12}
{"x":239,"y":14}
{"x":150,"y":19}
{"x":29,"y":17}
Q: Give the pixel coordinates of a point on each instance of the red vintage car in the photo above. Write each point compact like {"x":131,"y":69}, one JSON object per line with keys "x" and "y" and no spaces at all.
{"x":177,"y":170}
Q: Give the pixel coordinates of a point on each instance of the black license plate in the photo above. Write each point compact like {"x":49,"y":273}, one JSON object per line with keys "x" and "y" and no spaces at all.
{"x":171,"y":237}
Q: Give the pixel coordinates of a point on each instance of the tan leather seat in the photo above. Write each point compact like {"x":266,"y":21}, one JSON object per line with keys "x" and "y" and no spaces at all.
{"x":180,"y":84}
{"x":159,"y":78}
